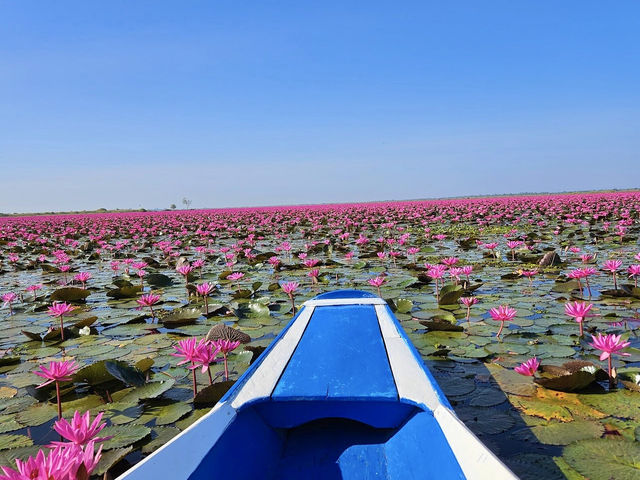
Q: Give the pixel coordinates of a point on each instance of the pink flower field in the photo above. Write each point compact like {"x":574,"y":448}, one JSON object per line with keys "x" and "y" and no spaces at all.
{"x":525,"y":308}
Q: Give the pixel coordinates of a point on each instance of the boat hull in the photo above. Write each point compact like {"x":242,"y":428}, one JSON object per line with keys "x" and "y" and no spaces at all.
{"x":341,"y":393}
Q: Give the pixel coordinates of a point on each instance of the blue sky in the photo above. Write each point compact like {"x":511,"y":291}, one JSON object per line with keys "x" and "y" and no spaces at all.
{"x":138,"y":104}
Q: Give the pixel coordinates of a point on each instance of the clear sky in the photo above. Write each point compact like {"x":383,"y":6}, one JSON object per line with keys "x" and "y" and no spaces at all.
{"x":121,"y":104}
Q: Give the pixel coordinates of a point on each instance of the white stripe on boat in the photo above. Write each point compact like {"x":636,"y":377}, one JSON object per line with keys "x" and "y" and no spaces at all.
{"x":266,"y":376}
{"x":411,"y":380}
{"x":333,"y":302}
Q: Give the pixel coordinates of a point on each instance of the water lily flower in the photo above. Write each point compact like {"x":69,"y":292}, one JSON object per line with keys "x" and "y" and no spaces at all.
{"x":82,"y":277}
{"x":377,"y":282}
{"x":468,"y":302}
{"x":148,"y":300}
{"x":289,"y":288}
{"x":529,"y":367}
{"x":502,"y":314}
{"x":634,"y":272}
{"x":57,"y":372}
{"x":613,"y":266}
{"x":225,"y":347}
{"x":59,"y":310}
{"x":204,"y":290}
{"x":579,"y":311}
{"x":80,"y":430}
{"x":608,"y":345}
{"x":8,"y":299}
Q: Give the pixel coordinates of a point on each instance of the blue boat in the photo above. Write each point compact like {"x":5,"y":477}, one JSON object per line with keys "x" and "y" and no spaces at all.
{"x":341,"y":393}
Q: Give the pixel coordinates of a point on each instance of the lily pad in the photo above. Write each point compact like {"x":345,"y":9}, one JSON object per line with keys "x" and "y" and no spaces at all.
{"x":125,"y":292}
{"x":9,"y":441}
{"x":211,"y":394}
{"x":69,"y":294}
{"x":559,"y":433}
{"x":125,"y":373}
{"x":124,"y":435}
{"x":171,"y":413}
{"x":162,"y":436}
{"x":149,"y":390}
{"x":110,"y":458}
{"x":567,"y":383}
{"x":482,"y":424}
{"x":605,"y":459}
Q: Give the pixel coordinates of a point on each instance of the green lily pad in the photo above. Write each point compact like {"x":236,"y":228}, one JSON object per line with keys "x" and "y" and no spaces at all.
{"x":149,"y":390}
{"x":168,"y":414}
{"x":482,"y":424}
{"x":567,"y":383}
{"x":69,"y":294}
{"x":195,"y":415}
{"x":619,"y":403}
{"x":450,"y":294}
{"x":605,"y":459}
{"x":37,"y":415}
{"x":559,"y":433}
{"x":181,"y":316}
{"x":162,"y":436}
{"x":403,"y":305}
{"x":158,"y":280}
{"x":124,"y":292}
{"x":124,"y":435}
{"x":110,"y":458}
{"x":9,"y":441}
{"x":487,"y":397}
{"x":8,"y":423}
{"x":125,"y":373}
{"x":456,"y":387}
{"x":211,"y":394}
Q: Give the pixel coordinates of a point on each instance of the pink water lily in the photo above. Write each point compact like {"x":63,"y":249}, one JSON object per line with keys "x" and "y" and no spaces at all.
{"x":377,"y":282}
{"x":148,"y":300}
{"x":225,"y":347}
{"x":62,"y":462}
{"x":204,"y":290}
{"x":8,"y":299}
{"x":579,"y":311}
{"x":289,"y":288}
{"x":34,"y":288}
{"x":469,"y":302}
{"x":612,"y":266}
{"x":502,"y":314}
{"x":57,"y":372}
{"x":190,"y":350}
{"x":59,"y":310}
{"x":634,"y":272}
{"x":82,"y":277}
{"x":608,"y":345}
{"x":206,"y":353}
{"x":528,"y":368}
{"x":80,"y":430}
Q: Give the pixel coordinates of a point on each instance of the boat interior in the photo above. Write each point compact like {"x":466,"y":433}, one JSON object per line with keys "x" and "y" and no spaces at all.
{"x":400,"y":442}
{"x":334,"y":413}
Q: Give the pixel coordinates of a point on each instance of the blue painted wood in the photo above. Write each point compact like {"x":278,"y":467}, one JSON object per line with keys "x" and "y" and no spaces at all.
{"x":334,"y":449}
{"x":340,"y":356}
{"x":235,"y":388}
{"x":379,"y":414}
{"x":248,"y":449}
{"x":420,"y":451}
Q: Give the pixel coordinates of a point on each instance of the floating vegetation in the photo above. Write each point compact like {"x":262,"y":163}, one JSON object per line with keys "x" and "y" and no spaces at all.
{"x":483,"y":287}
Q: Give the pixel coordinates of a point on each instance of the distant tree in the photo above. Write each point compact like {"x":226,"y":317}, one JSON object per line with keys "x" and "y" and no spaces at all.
{"x":173,"y":206}
{"x":186,"y":202}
